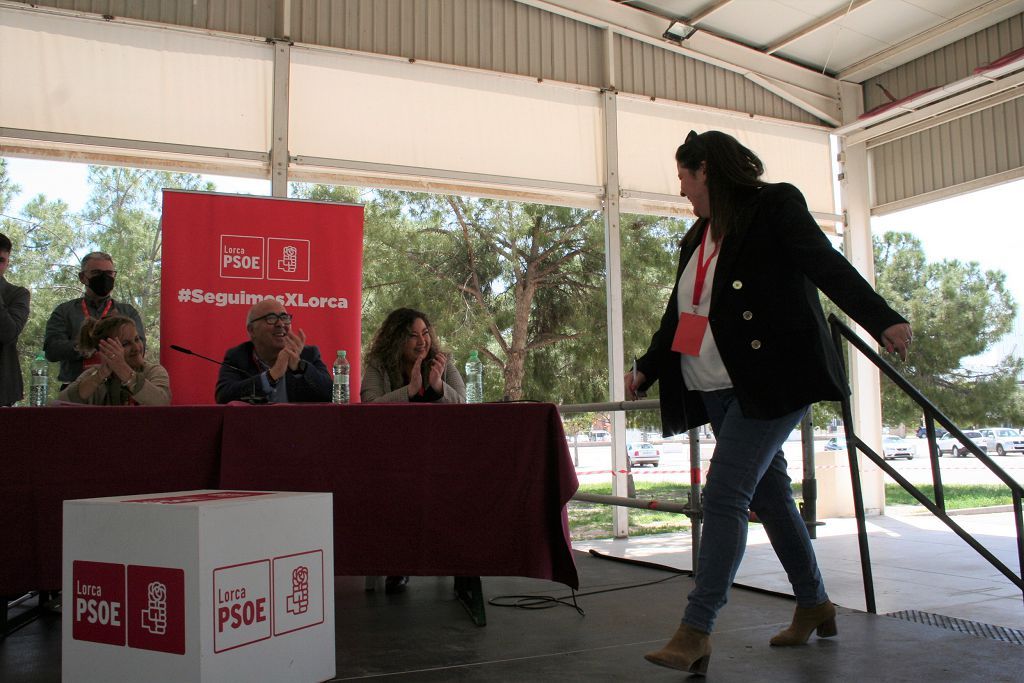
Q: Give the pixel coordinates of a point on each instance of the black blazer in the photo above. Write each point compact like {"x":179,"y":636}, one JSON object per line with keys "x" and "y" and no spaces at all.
{"x":765,"y":314}
{"x":311,"y":386}
{"x":14,"y":308}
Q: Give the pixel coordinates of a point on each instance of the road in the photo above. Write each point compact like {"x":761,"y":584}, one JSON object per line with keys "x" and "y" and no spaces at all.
{"x":595,"y":464}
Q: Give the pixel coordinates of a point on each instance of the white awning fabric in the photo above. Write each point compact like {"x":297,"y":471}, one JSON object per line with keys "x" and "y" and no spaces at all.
{"x":390,"y":112}
{"x":649,"y":133}
{"x":186,"y":99}
{"x":85,"y":76}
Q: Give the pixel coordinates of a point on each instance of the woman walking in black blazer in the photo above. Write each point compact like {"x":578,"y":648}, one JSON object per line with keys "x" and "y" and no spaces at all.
{"x":743,"y":345}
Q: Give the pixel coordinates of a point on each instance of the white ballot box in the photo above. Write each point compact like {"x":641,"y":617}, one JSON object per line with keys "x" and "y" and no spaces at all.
{"x":199,"y":586}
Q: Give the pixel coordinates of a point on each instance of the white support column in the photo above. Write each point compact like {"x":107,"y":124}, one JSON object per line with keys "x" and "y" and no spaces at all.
{"x":855,"y":188}
{"x":279,"y":146}
{"x":613,"y":263}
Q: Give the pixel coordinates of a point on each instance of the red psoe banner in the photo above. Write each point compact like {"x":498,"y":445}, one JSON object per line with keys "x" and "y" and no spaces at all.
{"x":223,"y":253}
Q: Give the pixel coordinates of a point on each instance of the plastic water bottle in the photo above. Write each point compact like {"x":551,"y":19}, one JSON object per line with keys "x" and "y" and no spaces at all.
{"x":339,"y":393}
{"x":40,"y":381}
{"x":474,"y":379}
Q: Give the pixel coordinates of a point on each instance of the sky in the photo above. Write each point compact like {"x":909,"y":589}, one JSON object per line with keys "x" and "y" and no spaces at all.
{"x":984,"y":226}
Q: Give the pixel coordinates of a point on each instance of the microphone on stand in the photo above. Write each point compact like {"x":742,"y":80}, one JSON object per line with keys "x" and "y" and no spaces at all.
{"x":252,"y":396}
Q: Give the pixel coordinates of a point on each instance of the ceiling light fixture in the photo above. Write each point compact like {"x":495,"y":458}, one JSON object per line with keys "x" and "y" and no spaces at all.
{"x":678,"y":31}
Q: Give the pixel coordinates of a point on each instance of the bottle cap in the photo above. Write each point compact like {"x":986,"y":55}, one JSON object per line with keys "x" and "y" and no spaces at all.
{"x":473,"y":356}
{"x":342,"y":353}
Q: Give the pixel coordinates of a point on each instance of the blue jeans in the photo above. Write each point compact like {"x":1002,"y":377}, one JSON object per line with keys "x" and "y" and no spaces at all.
{"x":748,"y":472}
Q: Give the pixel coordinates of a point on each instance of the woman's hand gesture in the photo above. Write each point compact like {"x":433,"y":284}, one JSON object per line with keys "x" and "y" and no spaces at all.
{"x":416,"y":375}
{"x":437,"y":372}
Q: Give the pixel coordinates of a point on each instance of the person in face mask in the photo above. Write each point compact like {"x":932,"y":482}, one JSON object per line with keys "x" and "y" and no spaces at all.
{"x":60,"y":343}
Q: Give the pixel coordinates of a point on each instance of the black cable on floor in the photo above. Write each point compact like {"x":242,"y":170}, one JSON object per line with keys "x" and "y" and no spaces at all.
{"x":547,"y":601}
{"x":688,"y":572}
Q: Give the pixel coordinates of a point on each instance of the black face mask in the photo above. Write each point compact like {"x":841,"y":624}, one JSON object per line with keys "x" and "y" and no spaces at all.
{"x":101,"y":284}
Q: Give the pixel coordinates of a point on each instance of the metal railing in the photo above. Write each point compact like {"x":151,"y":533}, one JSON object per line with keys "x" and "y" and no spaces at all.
{"x":937,"y":507}
{"x":692,"y":508}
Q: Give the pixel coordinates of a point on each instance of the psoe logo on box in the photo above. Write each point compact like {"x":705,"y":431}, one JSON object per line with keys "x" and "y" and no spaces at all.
{"x":298,"y":591}
{"x":288,"y":259}
{"x":98,"y":602}
{"x":241,"y":605}
{"x":241,"y":256}
{"x":156,"y":609}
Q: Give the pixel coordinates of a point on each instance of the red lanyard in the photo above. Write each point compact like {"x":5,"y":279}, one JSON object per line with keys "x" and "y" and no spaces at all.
{"x":85,"y":311}
{"x":702,"y":268}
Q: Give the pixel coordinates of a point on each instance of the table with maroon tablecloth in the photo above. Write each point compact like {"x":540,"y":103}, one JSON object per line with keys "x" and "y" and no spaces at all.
{"x":54,"y":454}
{"x":418,"y":489}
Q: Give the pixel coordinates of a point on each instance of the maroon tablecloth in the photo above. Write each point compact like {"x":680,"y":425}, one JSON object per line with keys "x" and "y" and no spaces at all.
{"x":427,"y":490}
{"x":433,"y":490}
{"x":59,"y":453}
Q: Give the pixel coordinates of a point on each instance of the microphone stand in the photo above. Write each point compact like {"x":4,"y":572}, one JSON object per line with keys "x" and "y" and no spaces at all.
{"x":252,"y":398}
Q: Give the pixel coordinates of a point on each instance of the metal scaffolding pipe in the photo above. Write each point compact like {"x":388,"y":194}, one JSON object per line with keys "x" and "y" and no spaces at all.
{"x":648,"y":404}
{"x":634,"y":503}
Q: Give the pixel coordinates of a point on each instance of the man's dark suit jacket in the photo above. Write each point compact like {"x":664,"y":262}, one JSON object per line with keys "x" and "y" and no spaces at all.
{"x":765,"y":315}
{"x":311,"y":386}
{"x":14,"y":307}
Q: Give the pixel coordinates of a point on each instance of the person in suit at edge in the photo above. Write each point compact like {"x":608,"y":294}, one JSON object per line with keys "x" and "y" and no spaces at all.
{"x":275,"y":365}
{"x":743,"y":345}
{"x":14,"y":310}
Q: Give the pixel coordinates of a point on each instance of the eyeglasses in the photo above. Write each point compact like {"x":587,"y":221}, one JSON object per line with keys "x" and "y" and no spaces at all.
{"x":273,"y":318}
{"x":93,"y":273}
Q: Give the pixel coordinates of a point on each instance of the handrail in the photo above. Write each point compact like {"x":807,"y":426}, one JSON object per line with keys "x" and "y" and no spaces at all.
{"x":841,"y":331}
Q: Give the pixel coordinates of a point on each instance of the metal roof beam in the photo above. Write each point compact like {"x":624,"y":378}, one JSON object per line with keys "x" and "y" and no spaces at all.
{"x":703,"y":46}
{"x":807,"y":29}
{"x":958,"y":27}
{"x":707,"y":12}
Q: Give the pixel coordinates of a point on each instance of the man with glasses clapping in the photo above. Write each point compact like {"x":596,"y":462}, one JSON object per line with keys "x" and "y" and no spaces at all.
{"x":275,"y":365}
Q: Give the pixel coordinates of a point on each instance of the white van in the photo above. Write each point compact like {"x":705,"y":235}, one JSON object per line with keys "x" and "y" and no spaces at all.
{"x":600,"y":435}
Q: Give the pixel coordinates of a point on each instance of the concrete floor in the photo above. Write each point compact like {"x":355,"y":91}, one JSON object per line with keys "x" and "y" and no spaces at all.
{"x":424,"y":635}
{"x":918,"y":564}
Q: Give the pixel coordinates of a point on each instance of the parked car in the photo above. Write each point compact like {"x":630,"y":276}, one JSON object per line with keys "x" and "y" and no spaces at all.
{"x":894,"y":447}
{"x":1003,"y":440}
{"x":642,"y":454}
{"x":836,"y":443}
{"x":922,"y":433}
{"x":950,"y":444}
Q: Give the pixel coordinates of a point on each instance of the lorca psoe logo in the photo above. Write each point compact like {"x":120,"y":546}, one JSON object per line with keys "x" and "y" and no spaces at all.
{"x":138,"y":606}
{"x":257,"y":258}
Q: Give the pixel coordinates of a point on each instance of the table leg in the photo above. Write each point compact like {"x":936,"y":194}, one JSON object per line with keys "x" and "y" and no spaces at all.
{"x":469,"y":591}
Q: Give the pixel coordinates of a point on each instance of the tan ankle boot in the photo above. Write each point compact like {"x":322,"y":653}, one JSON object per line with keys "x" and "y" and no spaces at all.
{"x":689,"y":650}
{"x":806,"y":619}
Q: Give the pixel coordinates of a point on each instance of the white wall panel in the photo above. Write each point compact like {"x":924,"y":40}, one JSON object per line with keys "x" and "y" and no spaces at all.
{"x":650,"y":132}
{"x":97,"y":78}
{"x":371,"y":109}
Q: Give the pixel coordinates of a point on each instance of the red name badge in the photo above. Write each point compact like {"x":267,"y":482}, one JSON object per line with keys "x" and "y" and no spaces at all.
{"x":689,"y":334}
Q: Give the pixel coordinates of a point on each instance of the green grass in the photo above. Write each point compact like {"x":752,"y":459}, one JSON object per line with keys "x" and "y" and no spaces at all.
{"x":594,"y":520}
{"x":958,"y":496}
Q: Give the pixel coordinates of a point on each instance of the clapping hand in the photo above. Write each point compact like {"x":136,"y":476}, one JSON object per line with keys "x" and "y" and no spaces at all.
{"x":437,"y":372}
{"x":112,"y":358}
{"x":288,"y":358}
{"x":416,"y":375}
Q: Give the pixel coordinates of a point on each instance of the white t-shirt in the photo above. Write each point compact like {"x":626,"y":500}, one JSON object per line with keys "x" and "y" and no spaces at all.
{"x":705,"y":372}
